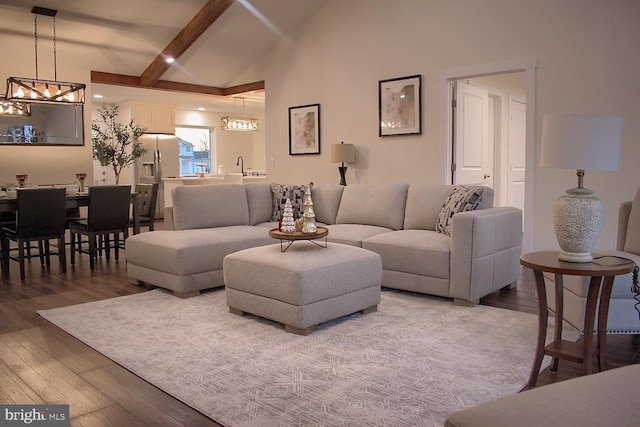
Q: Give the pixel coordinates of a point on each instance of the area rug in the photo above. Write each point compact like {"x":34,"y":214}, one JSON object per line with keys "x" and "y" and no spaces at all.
{"x":411,"y":363}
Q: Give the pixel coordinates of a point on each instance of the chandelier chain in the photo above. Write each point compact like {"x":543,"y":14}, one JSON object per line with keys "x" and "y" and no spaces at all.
{"x":55,"y":56}
{"x":35,"y":36}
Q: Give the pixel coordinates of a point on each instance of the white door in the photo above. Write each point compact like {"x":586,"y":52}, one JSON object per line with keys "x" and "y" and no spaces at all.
{"x":516,"y":157}
{"x":472,"y":162}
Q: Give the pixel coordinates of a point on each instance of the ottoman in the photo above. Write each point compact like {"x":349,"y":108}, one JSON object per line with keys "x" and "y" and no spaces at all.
{"x":304,"y":286}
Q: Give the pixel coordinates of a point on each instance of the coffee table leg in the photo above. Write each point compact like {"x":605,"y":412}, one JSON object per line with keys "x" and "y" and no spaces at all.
{"x":543,"y":317}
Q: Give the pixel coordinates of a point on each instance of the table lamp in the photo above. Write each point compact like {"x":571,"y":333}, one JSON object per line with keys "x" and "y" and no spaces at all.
{"x":343,"y":153}
{"x":580,"y":142}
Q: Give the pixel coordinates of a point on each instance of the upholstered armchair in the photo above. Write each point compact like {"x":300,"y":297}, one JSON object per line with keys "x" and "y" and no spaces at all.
{"x":623,"y":316}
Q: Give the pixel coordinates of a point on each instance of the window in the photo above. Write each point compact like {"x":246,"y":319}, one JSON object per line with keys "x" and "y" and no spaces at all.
{"x":195,"y":150}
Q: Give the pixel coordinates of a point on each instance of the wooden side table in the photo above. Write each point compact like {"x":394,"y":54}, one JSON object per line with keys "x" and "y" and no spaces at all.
{"x":602,"y":272}
{"x":298,"y":235}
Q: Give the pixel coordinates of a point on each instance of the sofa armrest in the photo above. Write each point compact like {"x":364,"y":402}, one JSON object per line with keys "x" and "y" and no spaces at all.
{"x":623,"y":221}
{"x":486,"y":246}
{"x":168,"y":218}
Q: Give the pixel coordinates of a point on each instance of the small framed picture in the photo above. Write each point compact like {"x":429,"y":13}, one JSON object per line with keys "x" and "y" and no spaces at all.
{"x":400,"y":106}
{"x":304,"y":129}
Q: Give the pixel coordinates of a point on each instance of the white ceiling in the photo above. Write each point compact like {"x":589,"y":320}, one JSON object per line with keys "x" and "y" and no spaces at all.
{"x":125,"y":36}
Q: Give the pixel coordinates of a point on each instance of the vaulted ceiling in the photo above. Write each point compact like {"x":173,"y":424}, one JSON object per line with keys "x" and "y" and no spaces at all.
{"x":127,"y":41}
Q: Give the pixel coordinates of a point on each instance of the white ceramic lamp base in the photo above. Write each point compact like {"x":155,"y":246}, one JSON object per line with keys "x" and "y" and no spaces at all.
{"x":577,"y":219}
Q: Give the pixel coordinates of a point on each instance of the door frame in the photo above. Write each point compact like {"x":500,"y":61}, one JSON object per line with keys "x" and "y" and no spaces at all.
{"x":529,"y":67}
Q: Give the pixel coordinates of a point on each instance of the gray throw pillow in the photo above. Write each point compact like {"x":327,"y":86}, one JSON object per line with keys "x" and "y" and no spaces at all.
{"x":282,"y":192}
{"x":461,"y":200}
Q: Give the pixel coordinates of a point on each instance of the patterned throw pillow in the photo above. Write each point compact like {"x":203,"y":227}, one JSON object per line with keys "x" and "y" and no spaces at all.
{"x":282,"y":192}
{"x":461,"y":200}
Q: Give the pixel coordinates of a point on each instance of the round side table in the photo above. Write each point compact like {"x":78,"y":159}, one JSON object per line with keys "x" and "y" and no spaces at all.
{"x":602,"y":272}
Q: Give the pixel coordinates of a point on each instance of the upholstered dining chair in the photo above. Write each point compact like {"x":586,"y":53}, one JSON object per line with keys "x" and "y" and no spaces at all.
{"x":7,"y":219}
{"x":108,"y":214}
{"x":147,"y":200}
{"x":40,"y":217}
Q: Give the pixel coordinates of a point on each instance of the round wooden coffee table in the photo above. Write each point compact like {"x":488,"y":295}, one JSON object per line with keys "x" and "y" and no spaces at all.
{"x":293,"y":236}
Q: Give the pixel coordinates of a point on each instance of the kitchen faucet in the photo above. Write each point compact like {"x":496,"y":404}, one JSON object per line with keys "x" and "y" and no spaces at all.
{"x":240,"y":162}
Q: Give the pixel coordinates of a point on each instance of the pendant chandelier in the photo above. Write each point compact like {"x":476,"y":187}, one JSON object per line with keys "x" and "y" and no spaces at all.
{"x":239,"y":123}
{"x":14,"y":108}
{"x":45,"y":91}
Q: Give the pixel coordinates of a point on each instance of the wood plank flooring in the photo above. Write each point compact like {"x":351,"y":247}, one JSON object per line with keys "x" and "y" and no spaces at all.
{"x":40,"y":363}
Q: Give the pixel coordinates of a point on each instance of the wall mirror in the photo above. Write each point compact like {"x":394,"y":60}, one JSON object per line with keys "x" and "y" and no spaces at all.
{"x":49,"y":124}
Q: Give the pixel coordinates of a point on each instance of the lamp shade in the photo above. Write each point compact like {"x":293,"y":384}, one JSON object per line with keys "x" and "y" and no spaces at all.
{"x":343,"y":153}
{"x":581,"y":142}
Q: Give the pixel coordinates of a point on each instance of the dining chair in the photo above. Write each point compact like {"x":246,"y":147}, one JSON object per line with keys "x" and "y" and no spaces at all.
{"x":7,"y":219}
{"x":147,"y":200}
{"x":40,"y":218}
{"x":108,"y":214}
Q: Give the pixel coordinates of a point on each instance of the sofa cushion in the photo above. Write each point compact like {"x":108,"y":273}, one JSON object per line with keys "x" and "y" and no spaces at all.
{"x":425,"y":201}
{"x":632,"y":242}
{"x":380,"y":205}
{"x":282,"y":192}
{"x":326,"y":201}
{"x":260,"y":202}
{"x":187,"y":252}
{"x":421,"y":252}
{"x":353,"y":234}
{"x":461,"y":200}
{"x":206,"y":206}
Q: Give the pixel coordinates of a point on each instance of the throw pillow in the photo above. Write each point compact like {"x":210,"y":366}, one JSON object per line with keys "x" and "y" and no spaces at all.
{"x":282,"y":192}
{"x":461,"y":200}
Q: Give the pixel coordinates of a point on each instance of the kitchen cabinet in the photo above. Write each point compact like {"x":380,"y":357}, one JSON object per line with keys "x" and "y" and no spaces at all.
{"x":155,"y":118}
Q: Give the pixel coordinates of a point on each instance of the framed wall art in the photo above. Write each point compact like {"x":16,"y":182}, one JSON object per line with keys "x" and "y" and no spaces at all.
{"x":304,"y":129}
{"x":400,"y":106}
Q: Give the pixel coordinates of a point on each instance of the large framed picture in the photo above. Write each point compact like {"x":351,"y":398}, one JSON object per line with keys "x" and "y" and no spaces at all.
{"x":400,"y":106}
{"x":304,"y":129}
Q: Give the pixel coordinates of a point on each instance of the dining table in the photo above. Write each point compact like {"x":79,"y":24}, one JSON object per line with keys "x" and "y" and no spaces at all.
{"x":75,"y":200}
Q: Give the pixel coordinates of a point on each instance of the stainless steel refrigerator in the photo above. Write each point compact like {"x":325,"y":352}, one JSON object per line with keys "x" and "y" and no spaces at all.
{"x":160,"y":161}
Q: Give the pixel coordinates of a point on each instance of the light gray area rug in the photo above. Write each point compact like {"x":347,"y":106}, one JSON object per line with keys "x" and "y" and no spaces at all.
{"x":411,"y":363}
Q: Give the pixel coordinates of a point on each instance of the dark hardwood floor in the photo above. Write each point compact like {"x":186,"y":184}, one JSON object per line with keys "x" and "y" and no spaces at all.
{"x":39,"y":363}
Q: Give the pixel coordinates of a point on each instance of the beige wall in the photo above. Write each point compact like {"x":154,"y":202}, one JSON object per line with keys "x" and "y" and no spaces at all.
{"x":588,"y":63}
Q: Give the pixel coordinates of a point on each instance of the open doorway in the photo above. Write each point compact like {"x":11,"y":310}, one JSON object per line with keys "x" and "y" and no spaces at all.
{"x":488,"y":137}
{"x":489,"y":114}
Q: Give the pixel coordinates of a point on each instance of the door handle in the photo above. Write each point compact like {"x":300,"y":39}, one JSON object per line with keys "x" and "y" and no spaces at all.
{"x":486,"y":176}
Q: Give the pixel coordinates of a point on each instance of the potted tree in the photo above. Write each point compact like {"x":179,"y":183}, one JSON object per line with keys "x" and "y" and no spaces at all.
{"x":115,"y":144}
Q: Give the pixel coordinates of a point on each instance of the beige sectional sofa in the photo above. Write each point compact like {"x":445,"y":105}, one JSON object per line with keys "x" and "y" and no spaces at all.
{"x":397,"y":221}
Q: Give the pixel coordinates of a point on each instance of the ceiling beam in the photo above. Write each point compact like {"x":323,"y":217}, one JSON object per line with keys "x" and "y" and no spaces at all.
{"x":134,"y":81}
{"x":185,"y":38}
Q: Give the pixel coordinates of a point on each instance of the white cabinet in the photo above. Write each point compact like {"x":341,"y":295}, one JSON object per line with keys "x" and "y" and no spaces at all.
{"x":155,"y":118}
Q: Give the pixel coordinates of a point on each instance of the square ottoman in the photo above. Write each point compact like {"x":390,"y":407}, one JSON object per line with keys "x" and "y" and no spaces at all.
{"x":304,"y":286}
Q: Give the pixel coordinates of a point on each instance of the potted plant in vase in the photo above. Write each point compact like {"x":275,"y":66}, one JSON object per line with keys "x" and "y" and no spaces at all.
{"x":115,"y":144}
